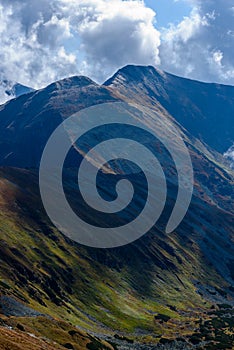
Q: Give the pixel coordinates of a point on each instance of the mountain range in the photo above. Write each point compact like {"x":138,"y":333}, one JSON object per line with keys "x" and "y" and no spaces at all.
{"x":164,"y":290}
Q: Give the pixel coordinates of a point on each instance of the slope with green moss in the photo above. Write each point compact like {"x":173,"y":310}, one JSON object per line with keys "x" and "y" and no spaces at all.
{"x":113,"y":290}
{"x":158,"y":287}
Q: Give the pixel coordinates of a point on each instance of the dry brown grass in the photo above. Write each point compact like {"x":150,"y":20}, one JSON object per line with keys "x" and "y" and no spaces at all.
{"x":13,"y":340}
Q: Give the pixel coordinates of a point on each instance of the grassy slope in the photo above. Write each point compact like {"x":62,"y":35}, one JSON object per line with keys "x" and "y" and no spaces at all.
{"x":120,"y":289}
{"x":114,"y":290}
{"x":43,"y":333}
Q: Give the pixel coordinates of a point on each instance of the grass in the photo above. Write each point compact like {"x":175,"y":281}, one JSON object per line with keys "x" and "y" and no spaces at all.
{"x":57,"y":333}
{"x":98,"y":290}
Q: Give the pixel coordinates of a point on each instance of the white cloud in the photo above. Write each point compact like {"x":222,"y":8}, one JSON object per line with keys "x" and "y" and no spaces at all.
{"x":186,"y":29}
{"x":202,"y":45}
{"x":112,"y":34}
{"x":217,"y":57}
{"x":32,"y":40}
{"x":42,"y":41}
{"x":45,"y":40}
{"x":115,"y":33}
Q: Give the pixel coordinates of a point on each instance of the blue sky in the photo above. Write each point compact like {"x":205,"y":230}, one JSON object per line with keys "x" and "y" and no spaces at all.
{"x":169,"y":11}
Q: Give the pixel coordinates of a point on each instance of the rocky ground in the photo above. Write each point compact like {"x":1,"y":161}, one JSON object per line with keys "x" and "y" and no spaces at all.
{"x":21,"y":327}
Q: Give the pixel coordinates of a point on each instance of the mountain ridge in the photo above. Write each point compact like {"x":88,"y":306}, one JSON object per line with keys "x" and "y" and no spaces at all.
{"x":151,"y":87}
{"x":154,"y":290}
{"x":178,"y":95}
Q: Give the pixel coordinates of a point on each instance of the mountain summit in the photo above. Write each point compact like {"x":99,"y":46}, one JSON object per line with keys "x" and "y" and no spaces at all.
{"x":204,"y":109}
{"x":175,"y":288}
{"x":43,"y":110}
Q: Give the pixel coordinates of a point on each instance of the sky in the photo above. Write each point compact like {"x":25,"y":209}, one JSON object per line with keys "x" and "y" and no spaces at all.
{"x":169,"y":11}
{"x":43,"y":41}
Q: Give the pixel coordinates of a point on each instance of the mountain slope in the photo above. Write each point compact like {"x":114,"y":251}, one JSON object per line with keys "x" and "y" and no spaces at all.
{"x":156,"y":288}
{"x":118,"y":290}
{"x":21,"y":144}
{"x":205,"y":110}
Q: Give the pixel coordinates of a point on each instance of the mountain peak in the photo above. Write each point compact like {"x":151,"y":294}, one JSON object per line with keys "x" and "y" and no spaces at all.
{"x":74,"y":81}
{"x":197,"y":106}
{"x":130,"y":73}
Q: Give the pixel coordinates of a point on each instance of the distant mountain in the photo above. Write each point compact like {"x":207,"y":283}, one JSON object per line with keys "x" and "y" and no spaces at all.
{"x":174,"y":288}
{"x":9,"y":90}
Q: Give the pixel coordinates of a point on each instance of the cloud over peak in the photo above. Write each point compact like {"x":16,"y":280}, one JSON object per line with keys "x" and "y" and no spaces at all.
{"x":47,"y":40}
{"x":42,"y":41}
{"x":116,"y":33}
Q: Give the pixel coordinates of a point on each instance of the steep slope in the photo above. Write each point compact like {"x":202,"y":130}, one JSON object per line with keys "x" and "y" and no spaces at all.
{"x":205,"y":110}
{"x":118,"y":290}
{"x":44,"y":333}
{"x":20,"y":120}
{"x":157,"y":287}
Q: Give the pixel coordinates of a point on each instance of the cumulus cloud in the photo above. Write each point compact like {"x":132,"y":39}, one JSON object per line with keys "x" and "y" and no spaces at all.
{"x":45,"y":40}
{"x":31,"y":38}
{"x":42,"y":41}
{"x":115,"y":33}
{"x":201,"y":45}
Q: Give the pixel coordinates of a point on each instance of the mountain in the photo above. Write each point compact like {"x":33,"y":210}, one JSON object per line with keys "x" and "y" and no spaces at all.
{"x":20,"y":119}
{"x":175,"y":288}
{"x":205,"y":110}
{"x":10,"y":90}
